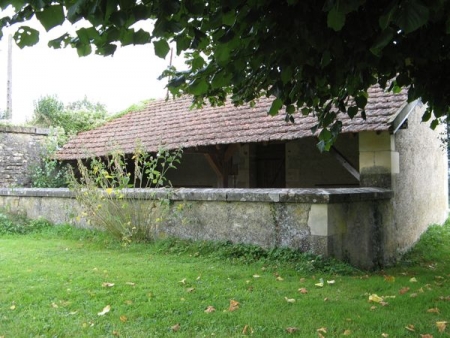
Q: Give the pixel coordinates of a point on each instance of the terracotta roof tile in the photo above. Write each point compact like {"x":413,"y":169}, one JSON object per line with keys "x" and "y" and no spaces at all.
{"x":172,"y":124}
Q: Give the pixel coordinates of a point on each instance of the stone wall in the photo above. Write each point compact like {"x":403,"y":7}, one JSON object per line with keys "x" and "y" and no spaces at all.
{"x":348,"y":224}
{"x":421,"y":188}
{"x":19,"y":149}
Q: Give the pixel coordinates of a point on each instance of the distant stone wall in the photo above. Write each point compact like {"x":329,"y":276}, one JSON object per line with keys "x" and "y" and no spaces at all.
{"x":349,"y":224}
{"x":19,"y":148}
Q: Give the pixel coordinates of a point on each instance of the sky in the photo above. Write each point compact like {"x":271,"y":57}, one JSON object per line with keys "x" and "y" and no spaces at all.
{"x":126,"y":78}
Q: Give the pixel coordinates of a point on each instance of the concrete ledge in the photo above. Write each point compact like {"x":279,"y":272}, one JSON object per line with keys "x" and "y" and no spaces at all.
{"x":313,"y":196}
{"x":24,"y":130}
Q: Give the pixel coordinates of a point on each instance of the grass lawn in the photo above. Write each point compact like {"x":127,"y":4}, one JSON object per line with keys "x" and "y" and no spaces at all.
{"x":64,"y":282}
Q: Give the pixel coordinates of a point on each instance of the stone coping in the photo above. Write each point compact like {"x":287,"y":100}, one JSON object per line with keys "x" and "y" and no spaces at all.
{"x":313,"y":195}
{"x":24,"y":130}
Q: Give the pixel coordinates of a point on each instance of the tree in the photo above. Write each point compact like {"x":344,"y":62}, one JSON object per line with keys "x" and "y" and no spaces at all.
{"x":77,"y":116}
{"x":315,"y":56}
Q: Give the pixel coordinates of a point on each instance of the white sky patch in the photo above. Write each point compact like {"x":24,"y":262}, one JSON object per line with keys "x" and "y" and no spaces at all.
{"x":128,"y":77}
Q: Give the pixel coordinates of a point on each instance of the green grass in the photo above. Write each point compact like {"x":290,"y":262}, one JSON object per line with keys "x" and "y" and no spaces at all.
{"x":52,"y":285}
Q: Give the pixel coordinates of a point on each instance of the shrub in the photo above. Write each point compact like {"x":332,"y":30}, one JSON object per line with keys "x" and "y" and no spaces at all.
{"x":102,"y":189}
{"x":18,"y":224}
{"x":49,"y":172}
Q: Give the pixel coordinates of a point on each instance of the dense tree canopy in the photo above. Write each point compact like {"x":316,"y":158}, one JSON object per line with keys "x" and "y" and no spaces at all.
{"x":309,"y":55}
{"x":73,"y":118}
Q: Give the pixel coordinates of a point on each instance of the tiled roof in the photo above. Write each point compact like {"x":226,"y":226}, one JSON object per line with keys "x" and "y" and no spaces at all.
{"x":172,"y":124}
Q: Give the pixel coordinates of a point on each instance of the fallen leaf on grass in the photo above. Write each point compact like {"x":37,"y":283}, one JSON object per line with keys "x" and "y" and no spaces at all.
{"x":303,"y":290}
{"x":290,"y":300}
{"x":107,"y":285}
{"x":347,"y":333}
{"x":445,"y":298}
{"x":403,"y":290}
{"x":280,"y":279}
{"x":410,"y":328}
{"x":413,"y":280}
{"x":291,"y":329}
{"x":384,"y":335}
{"x":105,"y":310}
{"x":128,"y":302}
{"x":130,"y":283}
{"x":12,"y":307}
{"x":176,"y":327}
{"x":433,"y":310}
{"x":331,"y":282}
{"x":54,"y":305}
{"x":210,"y":309}
{"x":247,"y":330}
{"x":123,"y":319}
{"x":322,"y":330}
{"x":256,"y":276}
{"x":190,"y":290}
{"x":116,"y":333}
{"x":375,"y":298}
{"x":413,"y":295}
{"x":320,"y":284}
{"x":234,"y":305}
{"x":426,"y":335}
{"x":389,"y":279}
{"x":441,"y":326}
{"x":183,"y":281}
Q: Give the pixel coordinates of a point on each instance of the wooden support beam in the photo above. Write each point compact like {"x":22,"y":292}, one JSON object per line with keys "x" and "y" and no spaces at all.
{"x":344,"y":162}
{"x":216,"y":167}
{"x":231,"y":150}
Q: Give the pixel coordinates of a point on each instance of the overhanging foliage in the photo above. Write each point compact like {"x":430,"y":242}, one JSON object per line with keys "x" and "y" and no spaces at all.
{"x":309,"y":55}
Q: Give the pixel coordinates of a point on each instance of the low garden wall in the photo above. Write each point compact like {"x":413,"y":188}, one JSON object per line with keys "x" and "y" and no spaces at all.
{"x":349,"y":224}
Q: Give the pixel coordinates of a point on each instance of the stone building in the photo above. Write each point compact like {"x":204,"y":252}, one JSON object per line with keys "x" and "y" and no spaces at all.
{"x":243,"y":147}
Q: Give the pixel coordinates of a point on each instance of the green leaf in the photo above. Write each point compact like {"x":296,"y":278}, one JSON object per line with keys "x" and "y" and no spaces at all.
{"x":335,"y":19}
{"x":387,"y":18}
{"x":60,"y":42}
{"x":161,"y":48}
{"x":286,"y":74}
{"x":73,"y":11}
{"x":86,"y":35}
{"x":183,"y":42}
{"x":352,"y":111}
{"x":106,"y":50}
{"x":361,"y":101}
{"x":83,"y":49}
{"x":229,"y":18}
{"x":220,"y":79}
{"x":426,"y":116}
{"x":194,"y":7}
{"x":412,"y":15}
{"x":169,"y":7}
{"x":141,"y":37}
{"x":275,"y":107}
{"x":51,"y":16}
{"x":290,"y":109}
{"x":222,"y":54}
{"x":198,"y":87}
{"x":382,"y":41}
{"x":434,"y":124}
{"x":26,"y":36}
